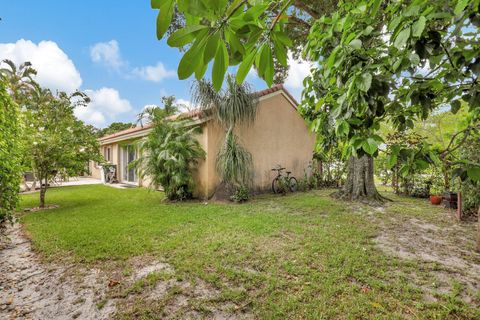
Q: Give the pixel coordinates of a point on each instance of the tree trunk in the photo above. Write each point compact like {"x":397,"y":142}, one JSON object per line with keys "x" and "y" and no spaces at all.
{"x":360,"y":184}
{"x":43,"y":190}
{"x":478,"y":231}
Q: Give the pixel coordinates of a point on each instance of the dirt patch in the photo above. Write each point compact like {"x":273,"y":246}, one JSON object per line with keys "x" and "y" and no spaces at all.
{"x":48,"y":207}
{"x":442,"y":247}
{"x":31,"y":289}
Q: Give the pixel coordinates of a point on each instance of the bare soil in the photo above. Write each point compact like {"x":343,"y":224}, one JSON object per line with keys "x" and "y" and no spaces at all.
{"x":442,"y":247}
{"x":33,"y":289}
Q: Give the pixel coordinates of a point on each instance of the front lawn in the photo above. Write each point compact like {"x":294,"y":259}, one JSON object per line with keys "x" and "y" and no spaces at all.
{"x":302,"y":256}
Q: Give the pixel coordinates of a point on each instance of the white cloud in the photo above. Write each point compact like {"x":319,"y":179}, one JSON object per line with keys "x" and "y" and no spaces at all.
{"x":185,"y":105}
{"x":106,"y":104}
{"x":55,"y":70}
{"x":107,"y":53}
{"x":299,"y":70}
{"x":153,"y":73}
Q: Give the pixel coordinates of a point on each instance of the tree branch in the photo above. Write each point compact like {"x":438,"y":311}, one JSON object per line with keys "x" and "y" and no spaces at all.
{"x":302,"y":6}
{"x":466,"y":133}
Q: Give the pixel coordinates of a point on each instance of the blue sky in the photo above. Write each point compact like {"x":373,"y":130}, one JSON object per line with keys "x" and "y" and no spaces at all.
{"x":106,"y":48}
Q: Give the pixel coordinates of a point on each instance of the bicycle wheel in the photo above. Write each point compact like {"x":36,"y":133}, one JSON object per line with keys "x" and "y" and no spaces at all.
{"x":293,"y":184}
{"x":276,"y":185}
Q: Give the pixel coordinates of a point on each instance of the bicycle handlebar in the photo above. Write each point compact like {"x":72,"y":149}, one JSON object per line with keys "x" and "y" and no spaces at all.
{"x":278,"y":169}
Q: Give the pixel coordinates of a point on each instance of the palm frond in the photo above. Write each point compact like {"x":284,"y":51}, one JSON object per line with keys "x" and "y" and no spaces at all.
{"x":234,"y":162}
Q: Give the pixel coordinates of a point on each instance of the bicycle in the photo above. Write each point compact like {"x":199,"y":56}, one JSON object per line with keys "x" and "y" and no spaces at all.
{"x":282,"y":183}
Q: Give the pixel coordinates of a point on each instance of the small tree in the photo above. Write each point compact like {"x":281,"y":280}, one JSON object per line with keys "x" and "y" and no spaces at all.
{"x":235,"y":105}
{"x":10,"y":152}
{"x":168,"y":156}
{"x":55,"y":141}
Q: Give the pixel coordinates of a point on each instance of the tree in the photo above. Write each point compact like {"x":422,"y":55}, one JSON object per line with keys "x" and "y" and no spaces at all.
{"x":234,"y":106}
{"x":370,"y":57}
{"x":113,"y":128}
{"x":55,"y":141}
{"x":155,"y":113}
{"x":10,"y":153}
{"x":19,"y":80}
{"x":169,"y":155}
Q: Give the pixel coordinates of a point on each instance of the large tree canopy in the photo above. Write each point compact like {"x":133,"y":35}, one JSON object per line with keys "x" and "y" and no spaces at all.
{"x":375,"y":60}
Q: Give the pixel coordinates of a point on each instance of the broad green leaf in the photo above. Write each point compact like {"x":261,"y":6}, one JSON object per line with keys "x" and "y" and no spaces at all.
{"x":402,"y":38}
{"x":369,"y":146}
{"x":245,"y":66}
{"x":364,"y":82}
{"x":392,"y":161}
{"x":281,"y":53}
{"x":235,"y":5}
{"x":265,"y":65}
{"x":211,"y":47}
{"x":220,"y":66}
{"x":156,"y":4}
{"x":356,"y":44}
{"x":461,"y":4}
{"x":343,"y":128}
{"x":394,"y":23}
{"x":418,"y":27}
{"x":474,"y":173}
{"x":164,"y":17}
{"x":184,"y":36}
{"x":192,"y":58}
{"x":200,"y":71}
{"x":283,"y":38}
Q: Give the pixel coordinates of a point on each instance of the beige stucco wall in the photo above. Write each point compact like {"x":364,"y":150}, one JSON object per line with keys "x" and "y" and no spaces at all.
{"x":279,"y":136}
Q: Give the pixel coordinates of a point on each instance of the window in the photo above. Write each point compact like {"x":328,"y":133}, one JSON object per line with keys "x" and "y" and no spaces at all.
{"x":107,"y":154}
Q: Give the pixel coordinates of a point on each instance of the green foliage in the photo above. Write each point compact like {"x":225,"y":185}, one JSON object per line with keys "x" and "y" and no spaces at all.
{"x":376,"y":61}
{"x":241,"y":194}
{"x":470,"y":187}
{"x":18,"y":80}
{"x":10,"y":154}
{"x":55,"y":141}
{"x":234,"y":162}
{"x":114,"y":127}
{"x":168,"y":156}
{"x":230,"y":33}
{"x":234,"y":106}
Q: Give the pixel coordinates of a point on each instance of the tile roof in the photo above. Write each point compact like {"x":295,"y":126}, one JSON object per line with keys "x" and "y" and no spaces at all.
{"x":196,"y":113}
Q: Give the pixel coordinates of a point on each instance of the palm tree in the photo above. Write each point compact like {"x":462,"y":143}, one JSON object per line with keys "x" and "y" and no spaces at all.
{"x":233,"y":106}
{"x":155,"y":113}
{"x":167,"y":157}
{"x":19,"y":80}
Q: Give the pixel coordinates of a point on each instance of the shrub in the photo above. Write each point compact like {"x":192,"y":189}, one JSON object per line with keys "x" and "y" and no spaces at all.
{"x":10,"y":171}
{"x":241,"y":194}
{"x":168,"y":156}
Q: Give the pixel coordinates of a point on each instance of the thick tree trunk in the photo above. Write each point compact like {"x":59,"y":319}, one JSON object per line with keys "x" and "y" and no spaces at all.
{"x":360,"y":184}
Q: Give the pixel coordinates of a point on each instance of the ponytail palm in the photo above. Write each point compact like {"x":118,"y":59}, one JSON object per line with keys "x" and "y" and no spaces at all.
{"x":233,"y":106}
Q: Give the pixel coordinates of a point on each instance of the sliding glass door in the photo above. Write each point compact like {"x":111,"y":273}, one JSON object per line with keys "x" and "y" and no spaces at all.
{"x":129,"y":154}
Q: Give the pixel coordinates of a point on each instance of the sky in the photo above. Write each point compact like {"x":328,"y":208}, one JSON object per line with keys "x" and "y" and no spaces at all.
{"x":107,"y":49}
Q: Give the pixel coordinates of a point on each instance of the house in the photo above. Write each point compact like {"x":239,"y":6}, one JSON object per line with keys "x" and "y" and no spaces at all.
{"x":278,"y":136}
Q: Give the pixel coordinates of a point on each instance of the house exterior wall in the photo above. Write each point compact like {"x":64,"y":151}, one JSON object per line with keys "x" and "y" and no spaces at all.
{"x":279,"y":136}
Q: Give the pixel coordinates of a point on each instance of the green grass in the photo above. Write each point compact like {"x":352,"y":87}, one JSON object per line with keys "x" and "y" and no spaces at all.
{"x":303,"y":256}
